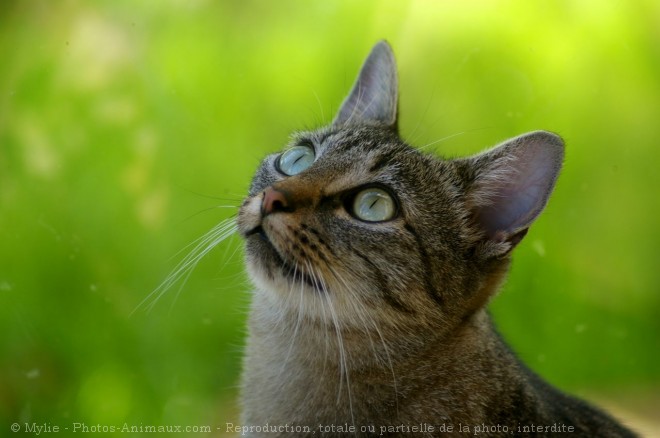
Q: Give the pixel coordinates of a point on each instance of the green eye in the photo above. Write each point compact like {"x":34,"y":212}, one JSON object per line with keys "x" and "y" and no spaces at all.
{"x":295,"y":160}
{"x":374,"y":205}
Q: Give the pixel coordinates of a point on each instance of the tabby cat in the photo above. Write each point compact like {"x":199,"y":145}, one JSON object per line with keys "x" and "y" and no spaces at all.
{"x":373,"y":265}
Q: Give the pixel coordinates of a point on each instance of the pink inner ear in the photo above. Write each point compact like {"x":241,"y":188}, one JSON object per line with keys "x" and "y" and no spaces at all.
{"x":520,"y":182}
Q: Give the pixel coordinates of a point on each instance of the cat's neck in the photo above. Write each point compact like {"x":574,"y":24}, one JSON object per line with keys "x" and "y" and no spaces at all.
{"x":386,"y":366}
{"x":375,"y":347}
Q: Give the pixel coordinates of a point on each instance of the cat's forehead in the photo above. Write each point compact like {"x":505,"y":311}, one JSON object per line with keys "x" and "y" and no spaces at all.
{"x":353,"y":156}
{"x":356,"y":155}
{"x":359,"y":139}
{"x":366,"y":148}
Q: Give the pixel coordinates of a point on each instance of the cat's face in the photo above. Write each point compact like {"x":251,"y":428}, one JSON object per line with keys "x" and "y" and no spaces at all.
{"x":349,"y":220}
{"x":359,"y":225}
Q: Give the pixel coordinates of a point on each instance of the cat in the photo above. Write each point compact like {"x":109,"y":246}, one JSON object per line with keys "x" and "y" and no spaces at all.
{"x":373,"y":264}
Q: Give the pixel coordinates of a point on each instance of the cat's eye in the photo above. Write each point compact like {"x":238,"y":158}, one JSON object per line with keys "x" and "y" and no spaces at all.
{"x":374,"y":205}
{"x":295,"y":160}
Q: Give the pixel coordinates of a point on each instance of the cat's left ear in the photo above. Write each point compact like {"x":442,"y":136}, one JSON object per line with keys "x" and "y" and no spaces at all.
{"x":511,"y":185}
{"x":374,"y":97}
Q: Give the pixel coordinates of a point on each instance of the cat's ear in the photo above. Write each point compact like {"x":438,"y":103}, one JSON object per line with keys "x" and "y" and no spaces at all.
{"x":511,"y":185}
{"x":373,"y":99}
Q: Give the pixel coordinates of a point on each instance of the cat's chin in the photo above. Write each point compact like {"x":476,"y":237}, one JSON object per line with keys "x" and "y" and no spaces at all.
{"x":273,"y":272}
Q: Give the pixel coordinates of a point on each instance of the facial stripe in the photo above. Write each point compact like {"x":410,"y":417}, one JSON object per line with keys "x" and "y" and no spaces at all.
{"x":383,"y":285}
{"x":428,"y":281}
{"x":382,"y":161}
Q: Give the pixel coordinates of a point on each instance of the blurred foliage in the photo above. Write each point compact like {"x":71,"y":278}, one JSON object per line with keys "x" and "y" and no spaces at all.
{"x":127,"y":127}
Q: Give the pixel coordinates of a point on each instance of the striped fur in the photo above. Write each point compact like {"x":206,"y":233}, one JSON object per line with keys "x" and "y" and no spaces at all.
{"x":385,"y":324}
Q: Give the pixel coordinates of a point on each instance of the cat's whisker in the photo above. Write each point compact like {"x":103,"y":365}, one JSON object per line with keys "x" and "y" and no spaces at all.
{"x":457,"y":134}
{"x":206,"y":210}
{"x":187,"y":266}
{"x":192,"y":259}
{"x":344,"y":370}
{"x":300,"y":311}
{"x":232,"y":282}
{"x":203,"y":245}
{"x":318,"y":100}
{"x":428,"y":145}
{"x":388,"y":356}
{"x":178,"y":292}
{"x":228,"y":258}
{"x":413,"y":134}
{"x":208,"y":235}
{"x":234,"y":197}
{"x":326,"y":335}
{"x":366,"y":317}
{"x":355,"y":302}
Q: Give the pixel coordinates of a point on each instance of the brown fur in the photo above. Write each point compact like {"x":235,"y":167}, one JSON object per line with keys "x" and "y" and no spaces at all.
{"x":384,"y":323}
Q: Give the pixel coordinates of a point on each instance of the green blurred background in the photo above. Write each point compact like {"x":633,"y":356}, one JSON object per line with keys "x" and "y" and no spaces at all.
{"x":126,"y":128}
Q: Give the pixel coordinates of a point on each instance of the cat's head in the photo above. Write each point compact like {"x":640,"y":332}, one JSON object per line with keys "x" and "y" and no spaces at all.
{"x":349,"y":219}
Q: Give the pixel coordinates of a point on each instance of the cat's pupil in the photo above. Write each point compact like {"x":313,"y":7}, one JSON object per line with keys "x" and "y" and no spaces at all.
{"x":296,"y":160}
{"x":374,"y":205}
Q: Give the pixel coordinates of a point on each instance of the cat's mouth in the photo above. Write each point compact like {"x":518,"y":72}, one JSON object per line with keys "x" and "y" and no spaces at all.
{"x":258,"y":230}
{"x":276,"y":261}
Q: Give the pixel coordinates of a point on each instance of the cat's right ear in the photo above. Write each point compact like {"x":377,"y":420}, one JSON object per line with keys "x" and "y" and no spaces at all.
{"x":510,"y":186}
{"x":374,"y":97}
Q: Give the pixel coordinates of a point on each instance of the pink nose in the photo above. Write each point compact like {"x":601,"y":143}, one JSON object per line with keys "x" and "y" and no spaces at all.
{"x":274,"y":201}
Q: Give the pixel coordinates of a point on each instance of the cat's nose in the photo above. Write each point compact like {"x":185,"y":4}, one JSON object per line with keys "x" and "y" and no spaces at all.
{"x":275,"y":201}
